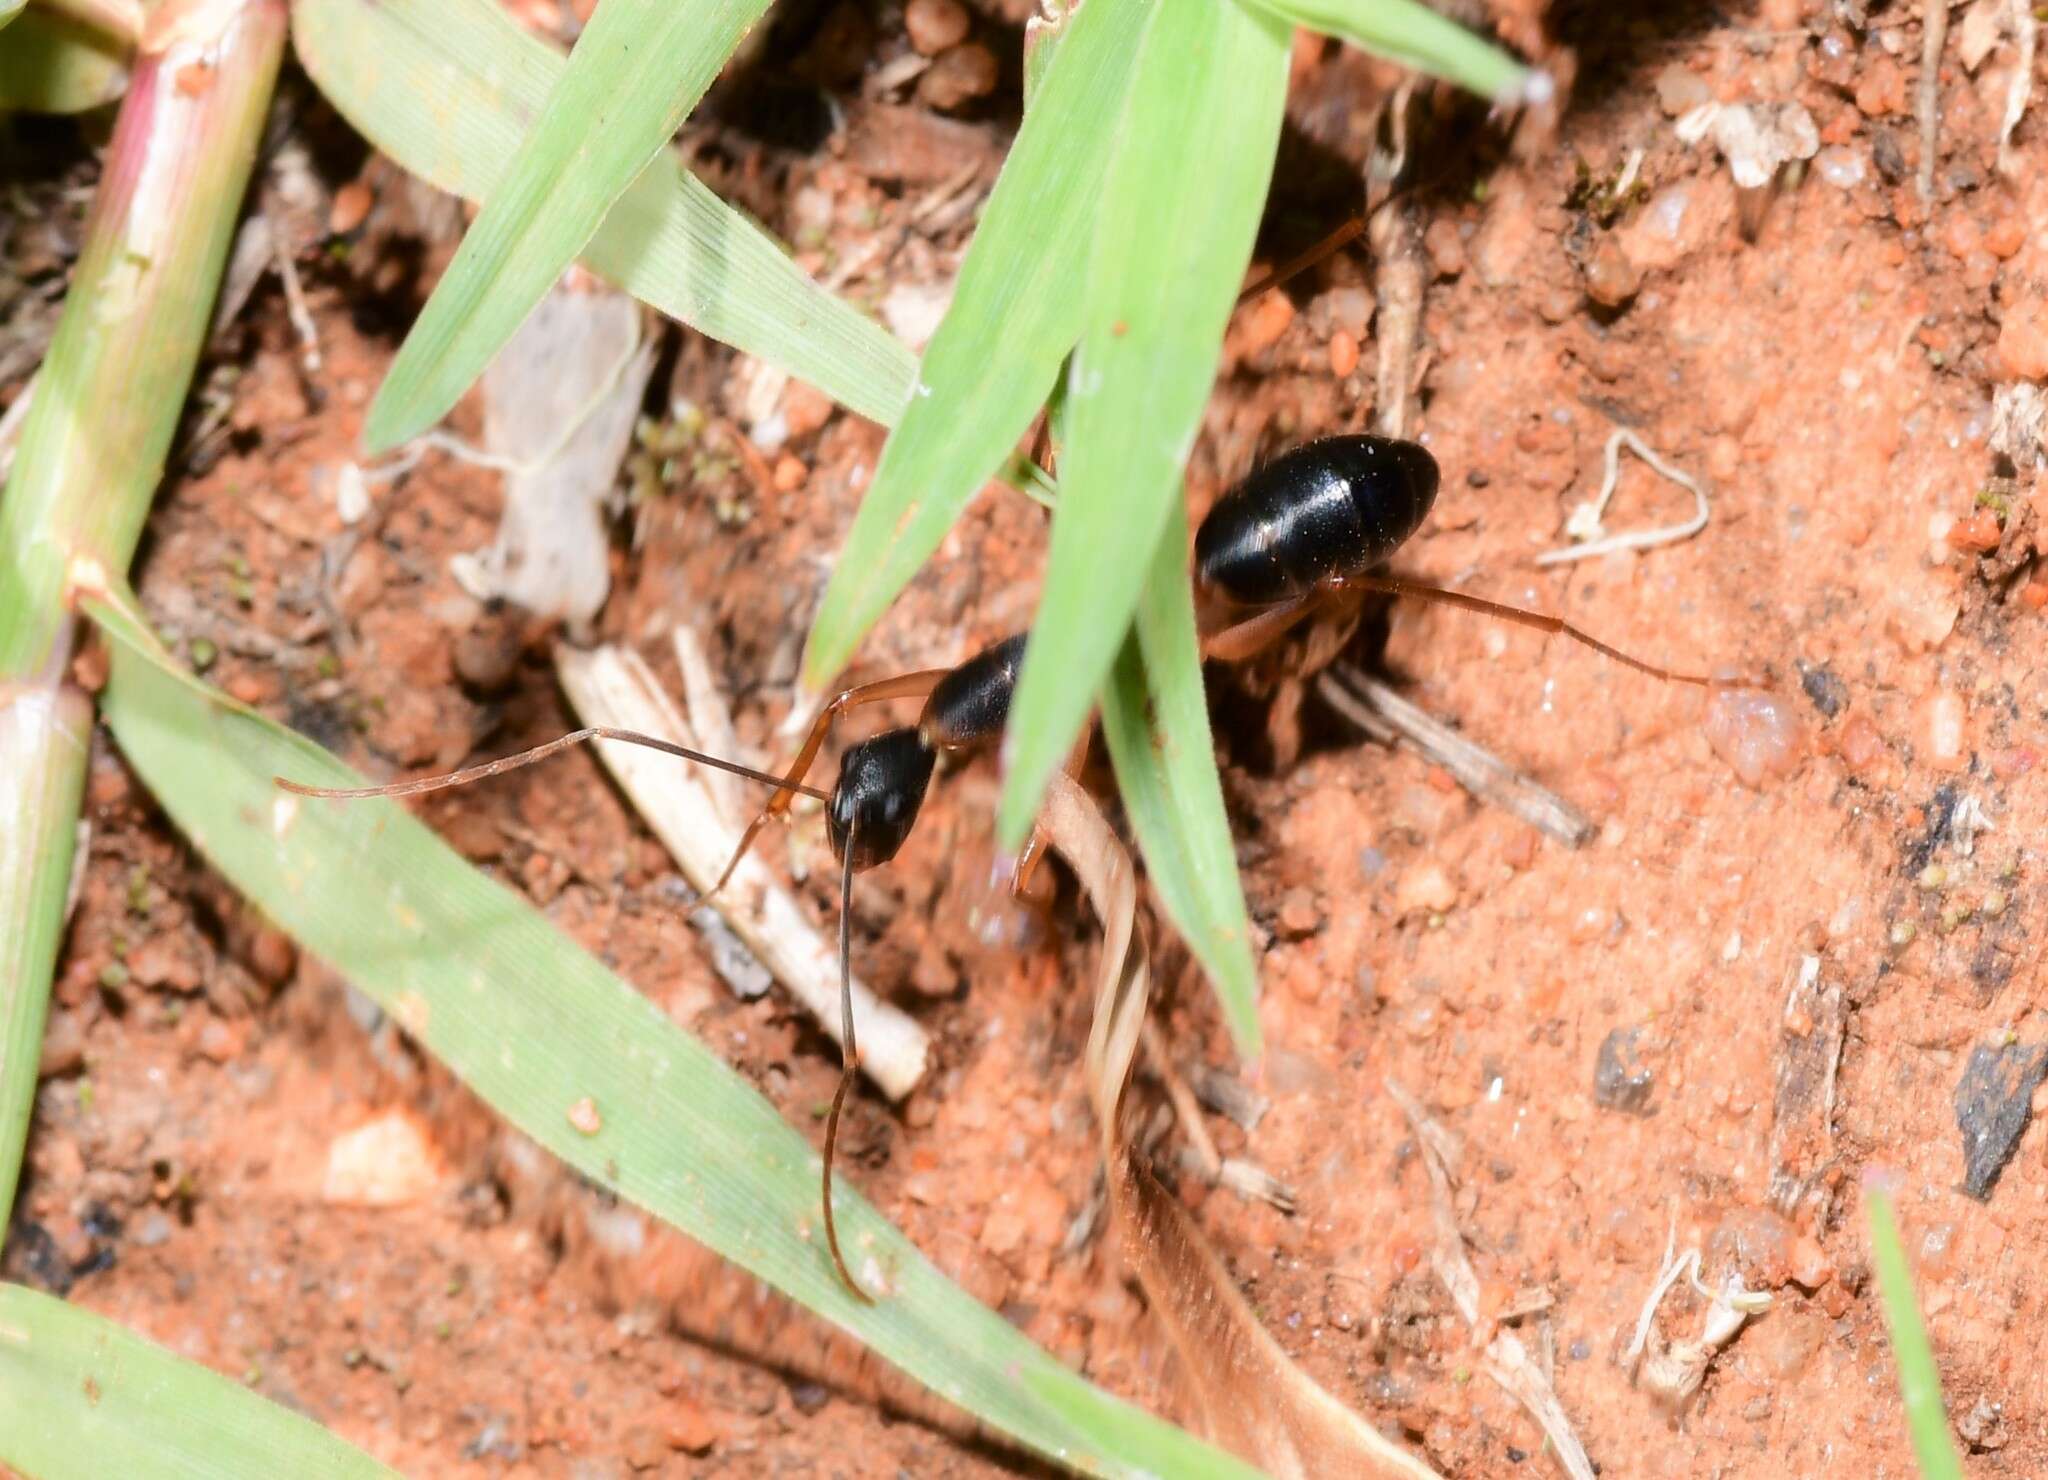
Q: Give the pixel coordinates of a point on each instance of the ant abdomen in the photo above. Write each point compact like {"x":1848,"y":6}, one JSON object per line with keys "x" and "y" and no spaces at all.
{"x":1334,"y":507}
{"x":881,"y":786}
{"x":971,"y":704}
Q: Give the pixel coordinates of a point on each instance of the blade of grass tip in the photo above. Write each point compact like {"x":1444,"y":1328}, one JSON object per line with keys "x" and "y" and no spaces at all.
{"x":1155,"y":721}
{"x":638,"y":69}
{"x":1015,"y":314}
{"x":1919,"y":1378}
{"x":53,"y":64}
{"x":88,"y":1399}
{"x":107,"y":402}
{"x":579,"y":1061}
{"x":447,"y":87}
{"x":1181,"y":206}
{"x":1410,"y":33}
{"x":45,"y":737}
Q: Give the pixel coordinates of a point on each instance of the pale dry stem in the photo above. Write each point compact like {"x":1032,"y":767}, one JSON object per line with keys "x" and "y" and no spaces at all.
{"x":614,"y":686}
{"x":1507,"y":1360}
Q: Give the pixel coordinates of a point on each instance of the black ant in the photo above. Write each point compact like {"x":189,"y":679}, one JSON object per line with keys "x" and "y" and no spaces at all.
{"x":1306,"y":531}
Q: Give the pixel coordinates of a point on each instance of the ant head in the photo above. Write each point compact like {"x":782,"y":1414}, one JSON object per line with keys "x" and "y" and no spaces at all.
{"x":881,"y":786}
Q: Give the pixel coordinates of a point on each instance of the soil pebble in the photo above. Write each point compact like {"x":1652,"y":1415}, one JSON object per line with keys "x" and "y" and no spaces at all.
{"x":1827,"y":691}
{"x":1755,"y":732}
{"x":1993,"y":1104}
{"x":1621,"y":1080}
{"x":382,"y":1163}
{"x":935,"y":25}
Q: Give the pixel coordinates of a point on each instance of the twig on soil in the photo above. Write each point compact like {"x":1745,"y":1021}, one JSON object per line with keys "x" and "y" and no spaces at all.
{"x":1933,"y":37}
{"x":1399,"y":277}
{"x":295,"y":301}
{"x":1383,"y":714}
{"x":1584,"y":521}
{"x":1227,"y":1095}
{"x":1809,"y":1055}
{"x":613,"y":686}
{"x":1507,"y":1360}
{"x":2021,"y":87}
{"x":1200,"y":1157}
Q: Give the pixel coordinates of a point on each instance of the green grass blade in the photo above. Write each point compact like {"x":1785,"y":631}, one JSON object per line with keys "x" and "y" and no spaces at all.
{"x":9,"y":9}
{"x":1016,"y":311}
{"x":1182,"y":200}
{"x":533,"y":1024}
{"x":45,"y":731}
{"x":638,"y":69}
{"x":447,"y":88}
{"x":86,"y":1398}
{"x":1412,"y":34}
{"x":1919,"y":1380}
{"x":1155,"y":720}
{"x":52,"y":64}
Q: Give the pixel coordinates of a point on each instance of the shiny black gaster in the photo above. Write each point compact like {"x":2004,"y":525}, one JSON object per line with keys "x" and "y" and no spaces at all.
{"x":1334,"y":507}
{"x":972,"y":703}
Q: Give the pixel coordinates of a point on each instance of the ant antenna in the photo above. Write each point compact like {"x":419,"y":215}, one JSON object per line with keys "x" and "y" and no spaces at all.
{"x":1541,"y":621}
{"x":851,"y":1061}
{"x":541,"y":753}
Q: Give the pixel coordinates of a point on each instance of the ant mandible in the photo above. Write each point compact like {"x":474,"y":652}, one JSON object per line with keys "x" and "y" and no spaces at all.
{"x":1307,"y":531}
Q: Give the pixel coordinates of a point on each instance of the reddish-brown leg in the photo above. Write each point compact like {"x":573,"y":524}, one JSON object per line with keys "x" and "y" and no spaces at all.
{"x":903,"y":686}
{"x":1541,"y":621}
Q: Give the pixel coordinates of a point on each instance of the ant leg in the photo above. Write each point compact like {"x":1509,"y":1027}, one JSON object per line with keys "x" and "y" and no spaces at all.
{"x":1294,"y":266}
{"x":541,"y":753}
{"x":903,"y":686}
{"x":1541,"y":621}
{"x":1034,"y":846}
{"x":1256,"y":633}
{"x":850,"y":1065}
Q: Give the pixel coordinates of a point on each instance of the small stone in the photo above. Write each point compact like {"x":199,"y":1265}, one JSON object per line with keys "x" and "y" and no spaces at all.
{"x":1944,"y":725}
{"x":689,"y":1429}
{"x":1299,"y":915}
{"x":1755,"y":732}
{"x":2023,"y":337}
{"x":805,"y":409}
{"x":1425,"y":889}
{"x":1260,"y":325}
{"x":958,"y":77}
{"x":1611,"y":279}
{"x":350,"y":208}
{"x":382,"y":1163}
{"x":790,"y":474}
{"x":1680,"y":89}
{"x":1881,"y":89}
{"x":1993,"y":1103}
{"x":1841,"y":166}
{"x":809,"y":1397}
{"x":1978,"y":530}
{"x":269,"y":953}
{"x":1859,"y":744}
{"x":1343,"y":354}
{"x":1621,"y":1080}
{"x":935,"y":25}
{"x":1827,"y":691}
